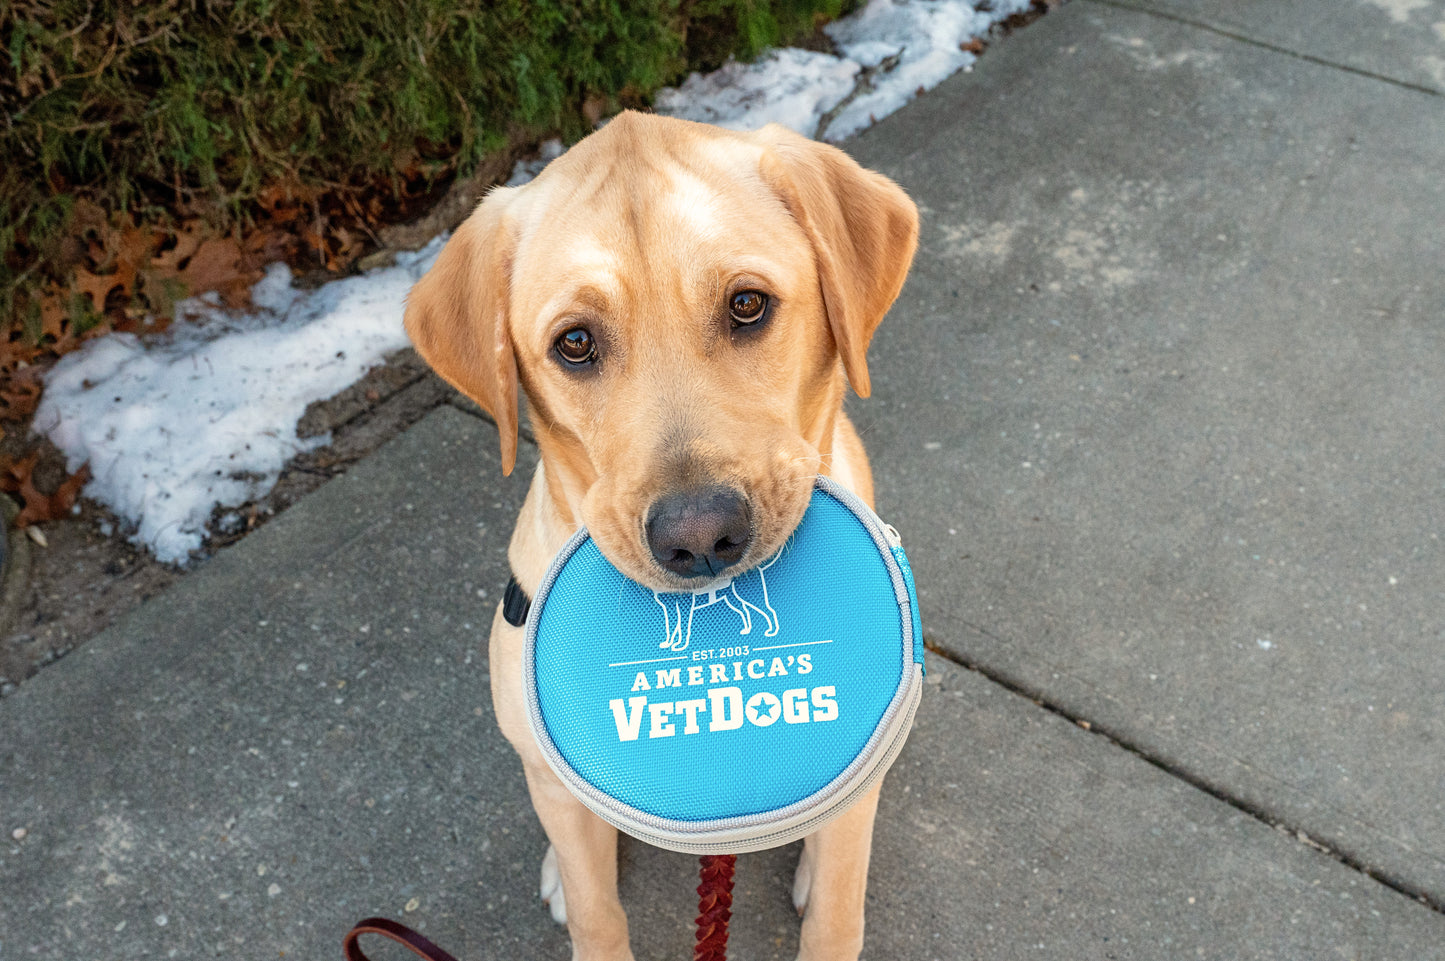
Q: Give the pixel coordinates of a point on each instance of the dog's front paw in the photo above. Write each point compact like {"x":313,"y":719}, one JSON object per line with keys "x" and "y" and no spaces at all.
{"x":802,"y":883}
{"x":551,"y":888}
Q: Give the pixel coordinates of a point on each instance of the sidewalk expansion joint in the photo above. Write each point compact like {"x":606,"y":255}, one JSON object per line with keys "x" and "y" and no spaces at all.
{"x":1266,"y":45}
{"x":1179,"y":773}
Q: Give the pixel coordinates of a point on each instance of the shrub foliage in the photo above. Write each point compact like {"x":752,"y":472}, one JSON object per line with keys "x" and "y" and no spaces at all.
{"x":134,"y":112}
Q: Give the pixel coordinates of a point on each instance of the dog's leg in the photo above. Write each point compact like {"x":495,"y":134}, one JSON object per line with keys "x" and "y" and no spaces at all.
{"x":831,"y":882}
{"x":583,"y":855}
{"x":550,"y":887}
{"x":579,"y":873}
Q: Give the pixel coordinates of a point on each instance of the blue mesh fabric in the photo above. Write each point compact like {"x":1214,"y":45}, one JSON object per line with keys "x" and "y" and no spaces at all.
{"x":734,"y":702}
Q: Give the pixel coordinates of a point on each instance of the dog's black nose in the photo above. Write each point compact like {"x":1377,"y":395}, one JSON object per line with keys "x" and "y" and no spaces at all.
{"x":701,"y":532}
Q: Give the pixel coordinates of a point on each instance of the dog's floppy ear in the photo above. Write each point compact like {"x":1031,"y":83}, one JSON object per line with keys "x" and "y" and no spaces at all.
{"x":863,"y":228}
{"x":456,"y":316}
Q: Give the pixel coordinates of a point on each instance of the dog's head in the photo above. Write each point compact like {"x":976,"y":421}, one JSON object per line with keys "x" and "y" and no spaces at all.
{"x":679,"y":304}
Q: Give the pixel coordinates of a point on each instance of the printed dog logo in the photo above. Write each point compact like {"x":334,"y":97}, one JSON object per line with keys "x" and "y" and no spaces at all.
{"x":734,"y":592}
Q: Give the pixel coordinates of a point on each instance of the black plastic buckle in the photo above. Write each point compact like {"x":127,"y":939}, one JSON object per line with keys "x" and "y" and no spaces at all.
{"x":515,"y":603}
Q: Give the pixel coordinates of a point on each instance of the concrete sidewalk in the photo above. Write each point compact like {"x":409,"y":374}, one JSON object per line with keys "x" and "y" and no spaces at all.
{"x":1185,"y":357}
{"x":1159,"y":418}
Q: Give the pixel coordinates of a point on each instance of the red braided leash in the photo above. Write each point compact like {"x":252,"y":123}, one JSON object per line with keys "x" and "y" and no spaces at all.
{"x":714,"y":910}
{"x":714,"y":907}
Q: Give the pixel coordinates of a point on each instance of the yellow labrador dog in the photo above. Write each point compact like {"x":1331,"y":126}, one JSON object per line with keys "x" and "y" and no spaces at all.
{"x":680,"y":305}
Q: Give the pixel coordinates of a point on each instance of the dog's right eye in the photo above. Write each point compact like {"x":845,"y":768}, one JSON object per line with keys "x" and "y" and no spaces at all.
{"x":577,"y":347}
{"x":747,"y":307}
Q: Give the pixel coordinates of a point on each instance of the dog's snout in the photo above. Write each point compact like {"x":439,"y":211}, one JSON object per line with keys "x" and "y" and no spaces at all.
{"x":699,"y":533}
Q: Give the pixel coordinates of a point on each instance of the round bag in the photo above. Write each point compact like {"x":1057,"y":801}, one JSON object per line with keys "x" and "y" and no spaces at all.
{"x":739,"y":717}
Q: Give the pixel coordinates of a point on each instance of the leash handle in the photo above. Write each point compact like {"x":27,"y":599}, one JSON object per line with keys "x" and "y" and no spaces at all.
{"x":399,"y":933}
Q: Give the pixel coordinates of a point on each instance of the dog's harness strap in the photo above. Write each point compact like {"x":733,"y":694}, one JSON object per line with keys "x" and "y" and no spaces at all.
{"x":515,"y":603}
{"x":399,"y":933}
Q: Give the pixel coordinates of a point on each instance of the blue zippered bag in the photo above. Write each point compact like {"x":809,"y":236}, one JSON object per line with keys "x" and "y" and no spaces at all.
{"x":739,"y":717}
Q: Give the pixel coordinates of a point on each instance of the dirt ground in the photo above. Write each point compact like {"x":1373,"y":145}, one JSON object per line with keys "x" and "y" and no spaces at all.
{"x":87,"y":573}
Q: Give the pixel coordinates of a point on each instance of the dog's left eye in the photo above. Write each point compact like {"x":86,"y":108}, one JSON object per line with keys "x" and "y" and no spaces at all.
{"x":748,"y":307}
{"x":577,"y":347}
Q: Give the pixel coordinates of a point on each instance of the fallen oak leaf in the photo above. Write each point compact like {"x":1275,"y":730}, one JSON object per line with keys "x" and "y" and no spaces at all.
{"x":41,"y":507}
{"x":16,"y":471}
{"x":53,"y":315}
{"x":132,"y":253}
{"x":69,"y":490}
{"x":188,"y":239}
{"x":97,"y":287}
{"x":215,"y":263}
{"x":17,"y":352}
{"x":18,"y":478}
{"x":219,"y":264}
{"x":88,"y":217}
{"x":125,"y":250}
{"x":266,"y":245}
{"x":284,"y":203}
{"x":20,"y":393}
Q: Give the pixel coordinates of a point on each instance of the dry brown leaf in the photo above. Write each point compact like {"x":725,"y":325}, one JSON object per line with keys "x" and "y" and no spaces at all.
{"x":219,"y":265}
{"x":215,"y":262}
{"x":15,"y":354}
{"x":14,"y":473}
{"x":87,"y":215}
{"x":188,"y":238}
{"x":68,"y":492}
{"x":18,"y":478}
{"x":265,"y":246}
{"x":283,"y":203}
{"x":129,"y":271}
{"x":53,"y":315}
{"x":95,"y":286}
{"x":20,"y":393}
{"x":133,"y":250}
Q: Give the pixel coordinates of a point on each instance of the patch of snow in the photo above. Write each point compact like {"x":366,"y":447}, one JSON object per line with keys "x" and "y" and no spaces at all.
{"x":206,"y":414}
{"x":791,"y":87}
{"x":797,"y":88}
{"x":929,"y":35}
{"x":528,"y":169}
